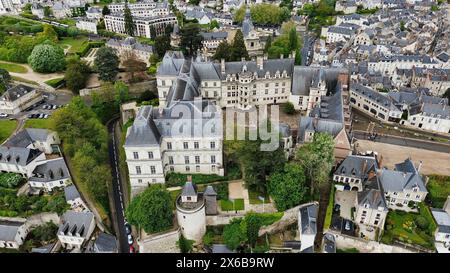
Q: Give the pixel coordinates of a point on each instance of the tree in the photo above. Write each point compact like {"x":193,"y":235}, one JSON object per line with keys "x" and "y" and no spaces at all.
{"x":45,"y":232}
{"x":239,"y":50}
{"x":162,"y":44}
{"x":184,"y":244}
{"x":256,"y":164}
{"x":151,"y":210}
{"x":402,"y":25}
{"x":106,"y":10}
{"x":168,"y":30}
{"x":298,"y":57}
{"x":251,"y":225}
{"x":316,"y":159}
{"x":288,"y":187}
{"x":447,"y":95}
{"x":293,"y":39}
{"x":128,"y":18}
{"x":239,"y":14}
{"x":5,"y":79}
{"x":46,"y":58}
{"x":214,"y":24}
{"x":191,"y":40}
{"x":76,"y":76}
{"x":133,"y":65}
{"x":121,"y":93}
{"x":107,"y":63}
{"x":268,"y":44}
{"x":288,"y":108}
{"x":233,"y":234}
{"x":48,"y":33}
{"x":48,"y":11}
{"x":223,"y":52}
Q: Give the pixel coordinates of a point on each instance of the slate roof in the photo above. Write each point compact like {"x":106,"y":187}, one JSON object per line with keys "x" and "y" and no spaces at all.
{"x":270,"y":65}
{"x":71,"y":193}
{"x":209,"y":191}
{"x":442,"y":219}
{"x":214,"y":35}
{"x":8,"y":229}
{"x":105,"y":243}
{"x":73,"y":222}
{"x":43,"y":249}
{"x":373,"y":198}
{"x":16,"y":92}
{"x":353,"y":166}
{"x":303,"y":76}
{"x":219,"y":248}
{"x":284,"y":129}
{"x":443,"y":57}
{"x":130,"y":42}
{"x":189,"y":189}
{"x":171,"y":63}
{"x":308,"y":215}
{"x":403,"y":177}
{"x":329,"y":243}
{"x":373,"y":96}
{"x":435,"y":110}
{"x":341,"y":30}
{"x":18,"y":155}
{"x":51,"y":170}
{"x":27,"y":136}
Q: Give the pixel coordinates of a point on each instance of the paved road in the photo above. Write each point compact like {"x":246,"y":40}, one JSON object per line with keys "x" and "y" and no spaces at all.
{"x":308,"y":49}
{"x":117,"y":190}
{"x":408,"y":142}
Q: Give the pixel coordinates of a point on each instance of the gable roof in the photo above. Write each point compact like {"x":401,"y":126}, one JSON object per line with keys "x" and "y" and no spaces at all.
{"x":18,"y":155}
{"x":357,"y":166}
{"x":308,"y":215}
{"x":404,"y":177}
{"x":9,"y":229}
{"x":105,"y":243}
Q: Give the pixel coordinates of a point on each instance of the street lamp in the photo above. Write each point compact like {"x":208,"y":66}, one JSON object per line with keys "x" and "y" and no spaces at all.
{"x":262,"y":199}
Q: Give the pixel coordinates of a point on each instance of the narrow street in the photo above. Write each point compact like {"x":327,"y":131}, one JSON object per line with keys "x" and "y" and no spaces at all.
{"x":118,"y":197}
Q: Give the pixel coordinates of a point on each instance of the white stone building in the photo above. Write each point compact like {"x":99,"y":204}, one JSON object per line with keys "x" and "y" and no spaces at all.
{"x":116,"y":23}
{"x":131,"y":45}
{"x":160,"y":141}
{"x":43,"y":140}
{"x":86,"y":24}
{"x":20,"y":160}
{"x":52,"y":173}
{"x":18,"y":98}
{"x":442,"y":233}
{"x":13,"y":232}
{"x":191,"y":214}
{"x":75,"y":229}
{"x":307,"y":224}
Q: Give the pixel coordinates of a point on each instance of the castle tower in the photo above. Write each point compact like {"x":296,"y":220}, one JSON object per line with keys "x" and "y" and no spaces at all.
{"x":210,"y":200}
{"x":191,"y":214}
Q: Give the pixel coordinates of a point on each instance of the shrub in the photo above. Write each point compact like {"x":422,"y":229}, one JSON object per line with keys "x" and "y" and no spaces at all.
{"x":10,"y":180}
{"x":422,"y":222}
{"x":288,"y":108}
{"x":47,"y":58}
{"x":221,"y":190}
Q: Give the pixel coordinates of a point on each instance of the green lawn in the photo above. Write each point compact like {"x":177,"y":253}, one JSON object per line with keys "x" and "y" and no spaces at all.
{"x":403,"y":227}
{"x":15,"y":68}
{"x":6,"y":129}
{"x":19,"y":79}
{"x":227,"y":205}
{"x":174,"y":195}
{"x":37,"y":123}
{"x":270,"y":218}
{"x":438,"y":189}
{"x":253,"y":197}
{"x":77,"y":44}
{"x":330,"y":207}
{"x":54,"y":82}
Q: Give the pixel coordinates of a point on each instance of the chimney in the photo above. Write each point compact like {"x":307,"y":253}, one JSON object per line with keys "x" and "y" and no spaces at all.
{"x":222,"y":66}
{"x":293,"y":54}
{"x":364,"y":167}
{"x":380,"y":162}
{"x":189,"y":178}
{"x":266,"y":56}
{"x":242,"y":59}
{"x":260,"y":62}
{"x":420,"y":166}
{"x":160,"y":111}
{"x":281,"y":56}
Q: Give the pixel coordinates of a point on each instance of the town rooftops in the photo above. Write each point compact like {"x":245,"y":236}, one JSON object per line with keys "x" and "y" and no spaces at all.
{"x":75,"y":223}
{"x":373,"y":95}
{"x":8,"y":229}
{"x":271,"y":66}
{"x":16,"y":92}
{"x":171,"y":64}
{"x":341,"y":30}
{"x":130,"y":42}
{"x":404,"y":177}
{"x":357,"y":166}
{"x":105,"y":243}
{"x":71,"y":193}
{"x":304,"y":76}
{"x":27,"y":136}
{"x":51,"y":170}
{"x":442,"y":219}
{"x":214,"y":35}
{"x":17,"y":155}
{"x":308,"y":216}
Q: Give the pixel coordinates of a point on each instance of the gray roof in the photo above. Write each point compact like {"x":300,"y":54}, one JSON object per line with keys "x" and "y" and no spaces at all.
{"x":43,"y":249}
{"x":405,"y":176}
{"x":180,"y":118}
{"x":373,"y":198}
{"x":71,"y":193}
{"x":105,"y":243}
{"x":434,"y":110}
{"x":341,"y":30}
{"x":270,"y":65}
{"x":132,"y":43}
{"x":219,"y":248}
{"x":285,"y":129}
{"x":8,"y":229}
{"x":308,"y":215}
{"x":28,"y":136}
{"x":357,"y":166}
{"x":51,"y":170}
{"x":189,"y":189}
{"x":171,"y":63}
{"x":329,"y":243}
{"x":221,"y":35}
{"x":75,"y":222}
{"x":16,"y":92}
{"x":18,"y":155}
{"x":374,"y":96}
{"x":304,"y":76}
{"x":209,"y":191}
{"x":442,"y":219}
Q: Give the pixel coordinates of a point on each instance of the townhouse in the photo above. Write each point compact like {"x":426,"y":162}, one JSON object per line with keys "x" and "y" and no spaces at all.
{"x":129,"y":46}
{"x":75,"y":229}
{"x":211,"y":40}
{"x":442,"y":233}
{"x":13,"y":232}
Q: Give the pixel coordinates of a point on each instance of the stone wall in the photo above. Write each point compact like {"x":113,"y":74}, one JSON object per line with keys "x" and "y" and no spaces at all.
{"x":217,"y":220}
{"x":161,"y":243}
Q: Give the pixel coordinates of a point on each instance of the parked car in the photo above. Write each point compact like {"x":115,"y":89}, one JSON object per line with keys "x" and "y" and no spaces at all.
{"x":127,"y":228}
{"x":41,"y":115}
{"x":3,"y":115}
{"x":46,"y":116}
{"x":347,"y":225}
{"x":130,"y":239}
{"x":337,"y":207}
{"x":45,"y":106}
{"x":54,"y":107}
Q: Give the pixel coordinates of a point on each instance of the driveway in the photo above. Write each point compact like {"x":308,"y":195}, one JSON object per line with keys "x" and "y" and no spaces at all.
{"x":236,"y":190}
{"x":30,"y":75}
{"x":346,"y":199}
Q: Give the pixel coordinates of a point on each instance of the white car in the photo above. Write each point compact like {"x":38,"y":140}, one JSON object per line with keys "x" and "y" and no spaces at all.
{"x":130,"y":239}
{"x":3,"y":115}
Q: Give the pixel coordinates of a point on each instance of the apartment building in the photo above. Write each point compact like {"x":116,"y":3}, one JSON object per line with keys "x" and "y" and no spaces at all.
{"x":142,"y":25}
